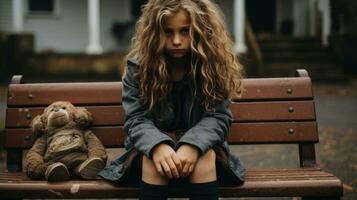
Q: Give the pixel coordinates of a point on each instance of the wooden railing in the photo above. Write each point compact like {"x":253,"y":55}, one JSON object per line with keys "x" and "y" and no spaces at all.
{"x":253,"y":47}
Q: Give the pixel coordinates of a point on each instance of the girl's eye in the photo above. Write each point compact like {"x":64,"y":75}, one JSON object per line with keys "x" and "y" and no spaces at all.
{"x":185,"y":30}
{"x":168,"y":32}
{"x":52,"y":109}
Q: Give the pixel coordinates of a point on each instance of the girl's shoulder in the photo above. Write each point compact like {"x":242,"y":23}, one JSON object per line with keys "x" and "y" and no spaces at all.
{"x":132,"y":62}
{"x":132,"y":67}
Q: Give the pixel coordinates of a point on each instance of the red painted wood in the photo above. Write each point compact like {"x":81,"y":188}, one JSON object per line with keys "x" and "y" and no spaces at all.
{"x":242,"y":112}
{"x":96,"y":93}
{"x":241,"y":133}
{"x":102,"y":115}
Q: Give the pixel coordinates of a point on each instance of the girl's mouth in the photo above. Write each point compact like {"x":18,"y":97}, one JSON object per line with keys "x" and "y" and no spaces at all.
{"x":178,"y":50}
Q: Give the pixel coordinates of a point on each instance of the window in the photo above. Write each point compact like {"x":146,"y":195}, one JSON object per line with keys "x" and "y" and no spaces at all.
{"x":42,"y":7}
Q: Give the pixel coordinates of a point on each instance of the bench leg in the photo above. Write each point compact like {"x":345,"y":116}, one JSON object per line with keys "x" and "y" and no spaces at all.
{"x":320,"y":198}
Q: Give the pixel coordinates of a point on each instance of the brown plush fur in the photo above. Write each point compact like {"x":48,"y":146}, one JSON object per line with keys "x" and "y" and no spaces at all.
{"x":62,"y":136}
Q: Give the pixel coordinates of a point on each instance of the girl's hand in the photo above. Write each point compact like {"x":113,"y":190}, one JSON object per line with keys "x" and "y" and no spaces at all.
{"x":166,"y":161}
{"x":188,"y":156}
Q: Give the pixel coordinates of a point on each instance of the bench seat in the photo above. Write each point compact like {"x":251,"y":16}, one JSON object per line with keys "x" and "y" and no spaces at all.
{"x":259,"y":183}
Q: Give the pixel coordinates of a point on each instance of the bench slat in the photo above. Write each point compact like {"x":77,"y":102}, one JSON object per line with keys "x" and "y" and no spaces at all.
{"x":242,"y":112}
{"x":36,"y":94}
{"x":96,"y":93}
{"x":273,"y":133}
{"x":276,"y":88}
{"x":110,"y":137}
{"x":274,"y":111}
{"x":250,"y":173}
{"x":240,"y":133}
{"x":102,"y":115}
{"x":295,"y":183}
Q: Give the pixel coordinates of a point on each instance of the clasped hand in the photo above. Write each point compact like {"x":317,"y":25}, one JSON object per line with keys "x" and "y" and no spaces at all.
{"x":175,"y":164}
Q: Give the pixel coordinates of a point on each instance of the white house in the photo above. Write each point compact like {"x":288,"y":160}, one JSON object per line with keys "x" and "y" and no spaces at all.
{"x":85,"y":25}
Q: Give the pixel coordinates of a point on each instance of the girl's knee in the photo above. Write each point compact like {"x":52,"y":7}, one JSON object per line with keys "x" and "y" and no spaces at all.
{"x":208,"y":157}
{"x":207,"y":162}
{"x":150,"y":174}
{"x":148,"y":165}
{"x":205,"y":169}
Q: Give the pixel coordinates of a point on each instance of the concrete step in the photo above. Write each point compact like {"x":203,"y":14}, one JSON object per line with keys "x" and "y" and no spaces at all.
{"x":289,"y":39}
{"x":295,"y":47}
{"x":282,"y":55}
{"x":289,"y":56}
{"x":289,"y":43}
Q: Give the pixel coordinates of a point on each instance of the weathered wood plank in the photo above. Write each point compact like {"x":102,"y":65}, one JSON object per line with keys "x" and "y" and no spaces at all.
{"x":102,"y":115}
{"x":323,"y":186}
{"x":240,"y":133}
{"x":96,"y":93}
{"x":242,"y":112}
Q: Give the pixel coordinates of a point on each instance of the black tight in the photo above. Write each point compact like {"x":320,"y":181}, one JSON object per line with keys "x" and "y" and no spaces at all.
{"x":198,"y":191}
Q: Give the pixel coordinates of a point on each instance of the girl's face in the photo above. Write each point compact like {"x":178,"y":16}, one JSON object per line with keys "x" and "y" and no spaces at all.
{"x":178,"y":40}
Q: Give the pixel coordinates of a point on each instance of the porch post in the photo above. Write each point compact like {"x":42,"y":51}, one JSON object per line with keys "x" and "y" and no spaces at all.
{"x":313,"y":15}
{"x":239,"y":25}
{"x":324,"y":6}
{"x":94,"y":46}
{"x":17,"y":16}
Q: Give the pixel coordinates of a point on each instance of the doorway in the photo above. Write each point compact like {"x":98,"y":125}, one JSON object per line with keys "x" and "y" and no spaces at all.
{"x":262,"y":15}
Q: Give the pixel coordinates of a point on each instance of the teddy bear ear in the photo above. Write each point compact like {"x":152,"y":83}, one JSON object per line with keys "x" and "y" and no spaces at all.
{"x":38,"y":125}
{"x":82,"y":117}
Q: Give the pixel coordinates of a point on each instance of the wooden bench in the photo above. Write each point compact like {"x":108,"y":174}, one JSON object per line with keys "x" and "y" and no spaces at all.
{"x":271,"y":111}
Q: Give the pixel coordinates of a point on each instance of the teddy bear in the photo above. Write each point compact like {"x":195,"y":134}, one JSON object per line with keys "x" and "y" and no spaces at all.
{"x":64,"y":147}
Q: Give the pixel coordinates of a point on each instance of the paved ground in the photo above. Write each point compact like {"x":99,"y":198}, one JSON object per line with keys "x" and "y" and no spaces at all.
{"x":337,"y":118}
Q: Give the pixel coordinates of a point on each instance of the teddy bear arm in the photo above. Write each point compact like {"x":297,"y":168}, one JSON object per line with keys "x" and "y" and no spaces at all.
{"x":34,"y":163}
{"x":95,"y":146}
{"x":37,"y":125}
{"x":82,"y":117}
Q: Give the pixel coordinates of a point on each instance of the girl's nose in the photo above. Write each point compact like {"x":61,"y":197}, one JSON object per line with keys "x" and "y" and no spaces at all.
{"x":176,"y":40}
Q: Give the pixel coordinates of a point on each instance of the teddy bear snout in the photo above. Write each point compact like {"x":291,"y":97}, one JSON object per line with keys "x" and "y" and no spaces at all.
{"x":58,"y":118}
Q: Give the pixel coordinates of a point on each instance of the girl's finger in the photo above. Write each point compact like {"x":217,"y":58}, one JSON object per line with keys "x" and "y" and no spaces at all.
{"x":190,"y":170}
{"x":177,"y":162}
{"x":185,"y":169}
{"x":173,"y":168}
{"x":166,"y":169}
{"x":159,"y":169}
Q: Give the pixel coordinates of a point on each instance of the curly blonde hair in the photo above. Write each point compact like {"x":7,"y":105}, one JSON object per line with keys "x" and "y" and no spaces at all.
{"x":212,"y":60}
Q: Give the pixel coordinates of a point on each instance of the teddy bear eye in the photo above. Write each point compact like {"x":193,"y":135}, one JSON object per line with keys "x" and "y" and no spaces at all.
{"x":64,"y":108}
{"x":52,"y":109}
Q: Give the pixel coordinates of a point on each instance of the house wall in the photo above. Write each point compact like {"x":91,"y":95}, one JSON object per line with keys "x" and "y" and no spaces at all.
{"x":68,"y":31}
{"x":110,"y":11}
{"x":65,"y":32}
{"x":5,"y":15}
{"x":227,"y":11}
{"x":283,"y":12}
{"x":301,"y":17}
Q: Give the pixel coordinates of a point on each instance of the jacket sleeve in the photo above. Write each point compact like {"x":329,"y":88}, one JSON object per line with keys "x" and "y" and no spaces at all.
{"x":212,"y":129}
{"x":139,"y":125}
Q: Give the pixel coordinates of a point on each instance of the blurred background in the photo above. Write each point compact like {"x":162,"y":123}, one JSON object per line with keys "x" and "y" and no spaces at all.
{"x":86,"y":40}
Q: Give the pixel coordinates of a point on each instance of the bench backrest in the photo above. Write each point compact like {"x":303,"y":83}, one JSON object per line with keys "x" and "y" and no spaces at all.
{"x":270,"y":111}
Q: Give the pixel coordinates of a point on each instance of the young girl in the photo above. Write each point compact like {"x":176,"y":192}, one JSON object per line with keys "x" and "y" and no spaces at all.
{"x":181,"y":74}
